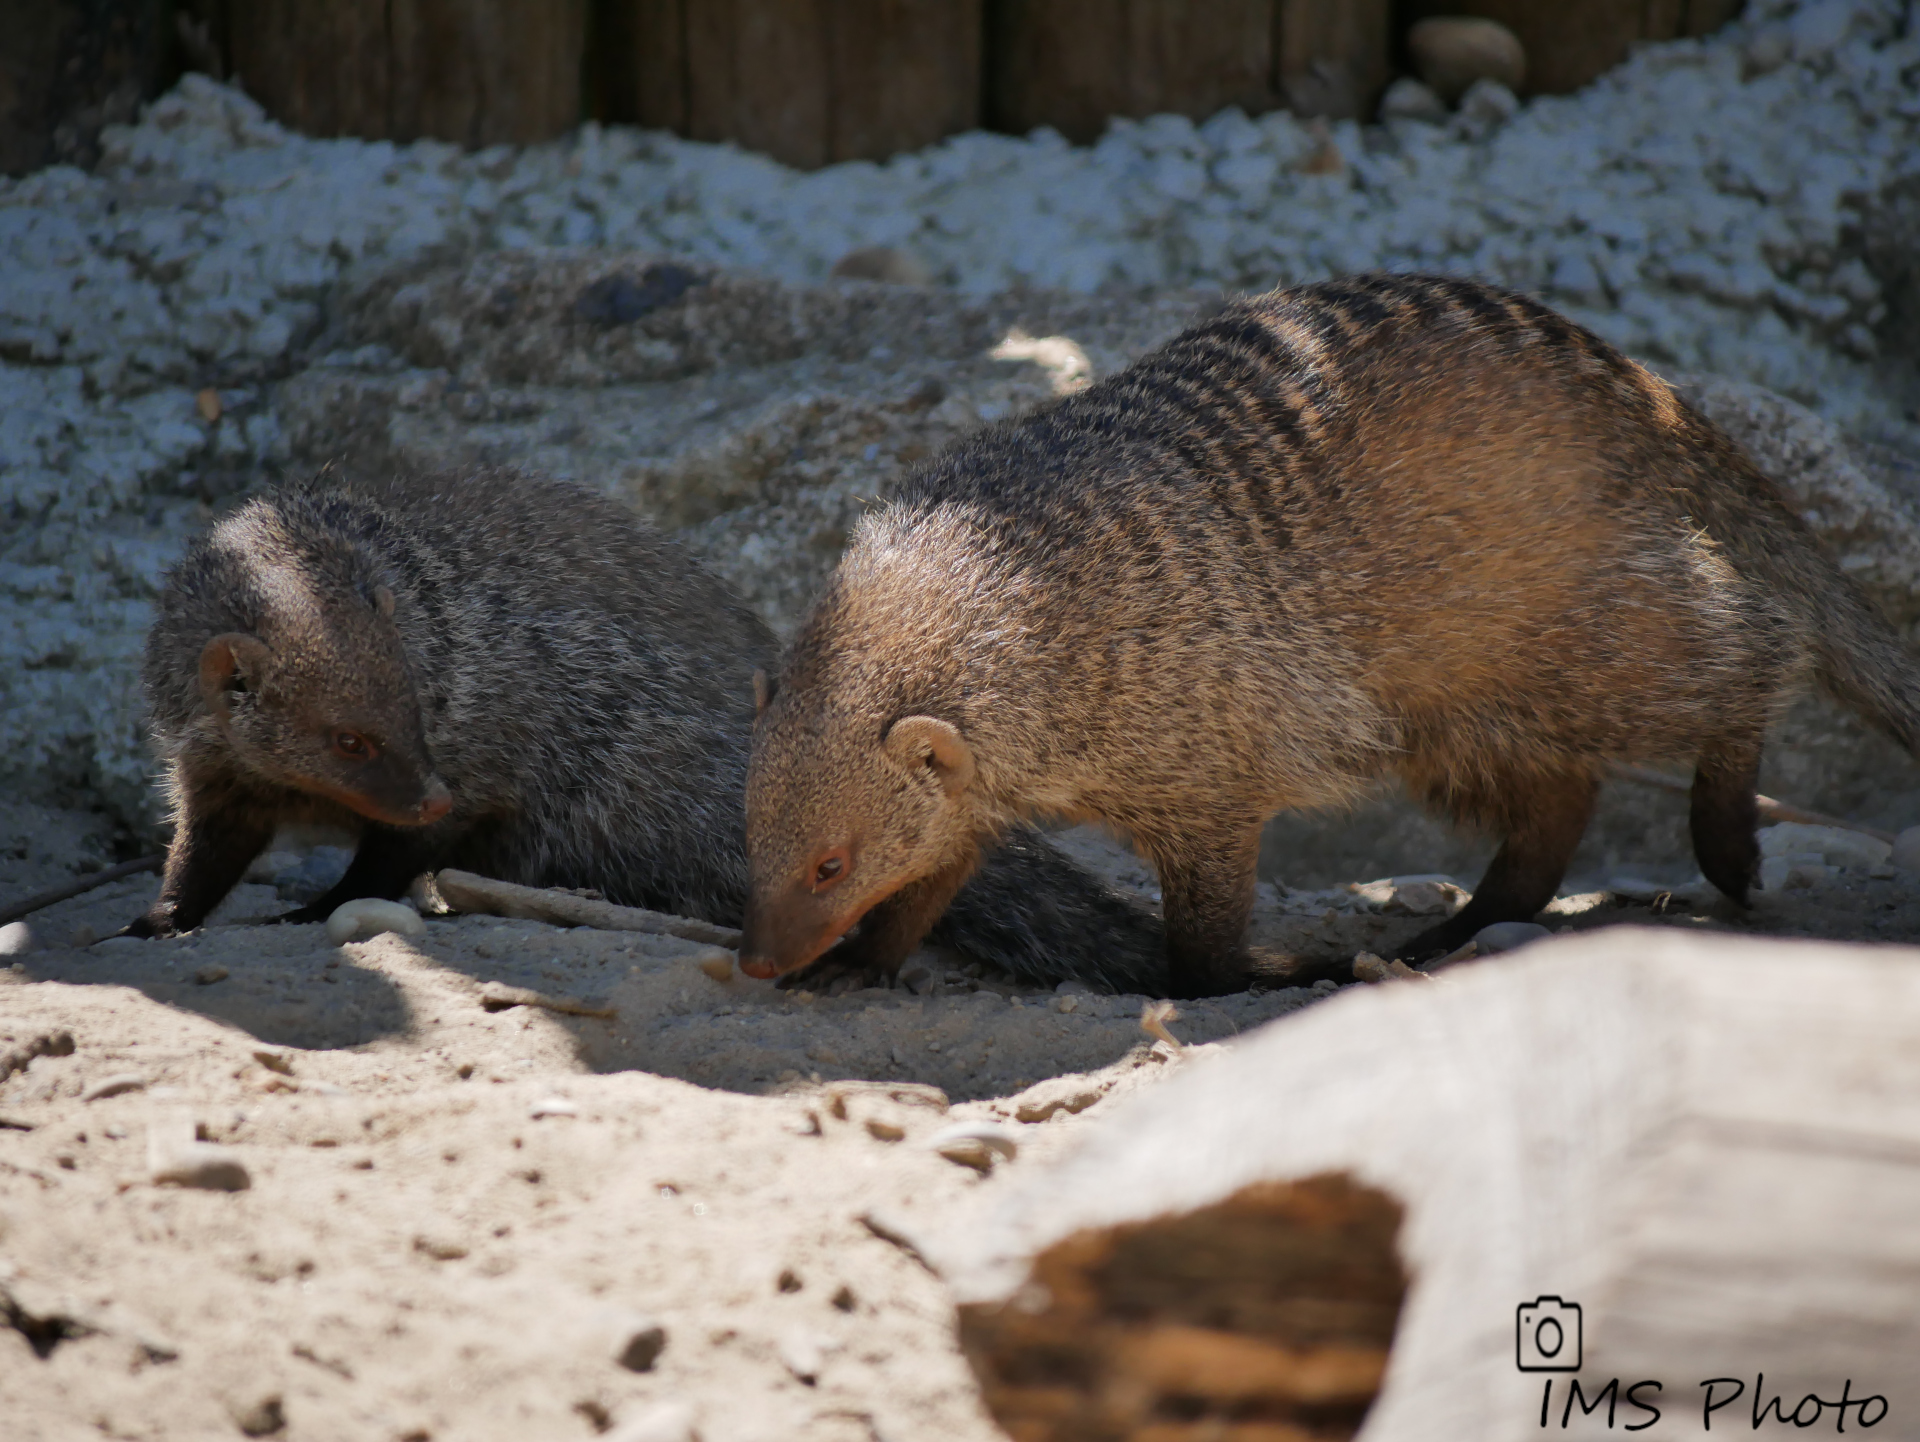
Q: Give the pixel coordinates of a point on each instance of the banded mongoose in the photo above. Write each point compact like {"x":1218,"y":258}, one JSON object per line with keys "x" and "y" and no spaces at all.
{"x":1386,"y":526}
{"x":513,"y":676}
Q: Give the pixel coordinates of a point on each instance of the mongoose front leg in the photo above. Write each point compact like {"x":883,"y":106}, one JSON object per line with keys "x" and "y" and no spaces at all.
{"x":216,"y":836}
{"x":888,"y":932}
{"x":384,"y":866}
{"x":1725,"y":813}
{"x":1550,"y":816}
{"x":1206,"y":897}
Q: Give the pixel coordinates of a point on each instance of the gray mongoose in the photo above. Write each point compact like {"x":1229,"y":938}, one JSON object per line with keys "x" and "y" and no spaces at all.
{"x":514,"y":676}
{"x":1387,"y":526}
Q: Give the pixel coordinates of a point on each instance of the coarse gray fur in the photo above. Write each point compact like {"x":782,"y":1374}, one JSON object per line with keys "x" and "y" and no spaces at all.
{"x":579,"y":685}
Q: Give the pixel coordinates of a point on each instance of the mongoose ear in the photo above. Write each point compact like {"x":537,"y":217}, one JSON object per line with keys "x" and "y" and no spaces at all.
{"x":383,"y":601}
{"x":235,"y":656}
{"x":762,"y":692}
{"x":929,"y":741}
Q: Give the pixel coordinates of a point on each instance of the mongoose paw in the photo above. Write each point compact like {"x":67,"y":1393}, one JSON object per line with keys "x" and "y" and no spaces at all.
{"x":146,"y":927}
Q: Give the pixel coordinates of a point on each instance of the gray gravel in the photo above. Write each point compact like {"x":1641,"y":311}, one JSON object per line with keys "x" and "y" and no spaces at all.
{"x":1746,"y":205}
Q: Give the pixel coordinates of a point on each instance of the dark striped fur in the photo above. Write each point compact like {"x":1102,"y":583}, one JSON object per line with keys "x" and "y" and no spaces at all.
{"x":1388,"y":526}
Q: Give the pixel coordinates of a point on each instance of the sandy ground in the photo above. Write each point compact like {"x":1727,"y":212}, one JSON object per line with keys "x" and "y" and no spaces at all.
{"x":457,"y":1218}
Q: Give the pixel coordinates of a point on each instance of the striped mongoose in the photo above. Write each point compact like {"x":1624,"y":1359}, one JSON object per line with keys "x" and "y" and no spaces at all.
{"x":1387,"y":526}
{"x":514,"y":676}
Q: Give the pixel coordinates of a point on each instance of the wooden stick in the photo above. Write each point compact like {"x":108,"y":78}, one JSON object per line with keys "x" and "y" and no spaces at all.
{"x":1771,"y":811}
{"x":40,"y":900}
{"x":463,"y":891}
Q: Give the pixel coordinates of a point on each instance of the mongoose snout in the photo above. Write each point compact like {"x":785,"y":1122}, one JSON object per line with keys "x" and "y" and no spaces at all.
{"x":823,"y":862}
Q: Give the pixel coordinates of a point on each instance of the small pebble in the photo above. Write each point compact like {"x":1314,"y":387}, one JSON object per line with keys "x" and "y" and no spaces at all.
{"x":884,"y":1131}
{"x":716,"y":962}
{"x":83,"y":935}
{"x":268,"y":1415}
{"x":1410,"y":99}
{"x":199,"y":1165}
{"x":115,"y":1085}
{"x":917,"y":977}
{"x":554,"y":1107}
{"x":1073,"y":988}
{"x":1065,"y":1004}
{"x":1507,"y":936}
{"x":440,"y":1248}
{"x":17,"y":939}
{"x":974,"y":1144}
{"x":638,"y":1341}
{"x":802,"y":1355}
{"x":208,"y":975}
{"x":882,"y":263}
{"x":368,"y":916}
{"x":1451,"y":52}
{"x":667,"y":1422}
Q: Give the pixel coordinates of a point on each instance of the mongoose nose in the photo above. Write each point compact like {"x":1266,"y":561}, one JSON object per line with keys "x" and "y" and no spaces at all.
{"x":760,"y":968}
{"x":439,"y":801}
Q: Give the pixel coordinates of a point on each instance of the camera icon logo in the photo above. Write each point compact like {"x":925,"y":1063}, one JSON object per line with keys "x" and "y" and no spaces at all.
{"x":1547,"y":1336}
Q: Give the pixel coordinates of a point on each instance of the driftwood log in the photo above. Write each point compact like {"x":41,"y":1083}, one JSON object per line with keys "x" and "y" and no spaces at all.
{"x":1710,"y":1146}
{"x":464,"y":891}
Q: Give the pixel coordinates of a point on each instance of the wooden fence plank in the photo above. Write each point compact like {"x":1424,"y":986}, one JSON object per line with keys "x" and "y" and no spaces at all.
{"x":1331,"y":59}
{"x":68,"y":68}
{"x":905,"y":73}
{"x":1071,"y":64}
{"x":476,"y":72}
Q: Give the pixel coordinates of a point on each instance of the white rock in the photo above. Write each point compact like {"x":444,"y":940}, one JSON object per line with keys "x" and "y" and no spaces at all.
{"x":358,"y":920}
{"x":1905,"y":852}
{"x":553,"y":1107}
{"x":974,"y":1144}
{"x":1833,"y":845}
{"x":664,"y":1422}
{"x":17,"y":939}
{"x":1410,"y":99}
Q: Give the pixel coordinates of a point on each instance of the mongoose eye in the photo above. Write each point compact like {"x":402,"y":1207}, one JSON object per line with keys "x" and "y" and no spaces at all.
{"x":354,"y":746}
{"x":830,"y":869}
